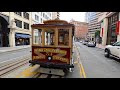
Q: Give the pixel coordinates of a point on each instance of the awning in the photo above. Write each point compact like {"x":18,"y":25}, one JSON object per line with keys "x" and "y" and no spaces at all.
{"x":22,"y":35}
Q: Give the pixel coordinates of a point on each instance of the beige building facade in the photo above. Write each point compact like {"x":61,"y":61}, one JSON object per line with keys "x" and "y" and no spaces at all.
{"x":55,"y":15}
{"x":108,"y":28}
{"x":93,"y":24}
{"x":15,"y":29}
{"x":40,"y":17}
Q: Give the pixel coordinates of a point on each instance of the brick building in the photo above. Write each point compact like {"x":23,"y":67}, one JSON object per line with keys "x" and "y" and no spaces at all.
{"x":81,"y":29}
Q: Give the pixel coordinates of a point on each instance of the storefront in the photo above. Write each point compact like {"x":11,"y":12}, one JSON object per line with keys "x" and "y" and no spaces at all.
{"x":112,"y":23}
{"x":22,"y":39}
{"x":109,"y":28}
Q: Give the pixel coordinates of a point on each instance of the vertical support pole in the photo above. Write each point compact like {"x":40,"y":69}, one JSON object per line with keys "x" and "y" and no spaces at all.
{"x":70,"y":37}
{"x":118,"y":36}
{"x":33,"y":37}
{"x":70,"y":44}
{"x":43,"y":37}
{"x":56,"y":36}
{"x":105,"y":30}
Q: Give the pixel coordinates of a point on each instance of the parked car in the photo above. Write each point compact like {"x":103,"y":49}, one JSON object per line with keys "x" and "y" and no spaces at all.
{"x":113,"y":50}
{"x":91,"y":44}
{"x":85,"y":42}
{"x":81,"y":41}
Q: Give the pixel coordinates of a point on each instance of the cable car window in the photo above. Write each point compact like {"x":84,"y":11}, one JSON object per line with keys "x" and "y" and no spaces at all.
{"x":37,"y":37}
{"x":63,"y":37}
{"x":49,"y":37}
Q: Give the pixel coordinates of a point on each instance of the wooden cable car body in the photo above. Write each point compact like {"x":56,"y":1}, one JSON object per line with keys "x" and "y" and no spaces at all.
{"x":52,"y":44}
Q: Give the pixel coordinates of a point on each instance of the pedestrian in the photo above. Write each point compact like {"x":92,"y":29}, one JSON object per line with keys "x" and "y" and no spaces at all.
{"x":95,"y":43}
{"x":18,"y":43}
{"x":22,"y":42}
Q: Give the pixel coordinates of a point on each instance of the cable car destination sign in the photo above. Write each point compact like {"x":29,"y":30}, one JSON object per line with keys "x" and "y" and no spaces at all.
{"x":58,"y":54}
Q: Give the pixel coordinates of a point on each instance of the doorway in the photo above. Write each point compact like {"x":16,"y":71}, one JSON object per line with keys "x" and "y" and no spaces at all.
{"x":4,"y":32}
{"x":0,"y":40}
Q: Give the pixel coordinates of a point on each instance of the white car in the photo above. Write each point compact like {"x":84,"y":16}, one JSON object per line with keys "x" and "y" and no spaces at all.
{"x":113,"y":50}
{"x":81,"y":41}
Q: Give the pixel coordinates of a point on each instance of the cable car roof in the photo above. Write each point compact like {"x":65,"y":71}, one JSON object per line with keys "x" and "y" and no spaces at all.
{"x":53,"y":23}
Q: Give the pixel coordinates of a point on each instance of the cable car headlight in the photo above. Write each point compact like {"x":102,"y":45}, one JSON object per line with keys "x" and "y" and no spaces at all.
{"x":49,"y":58}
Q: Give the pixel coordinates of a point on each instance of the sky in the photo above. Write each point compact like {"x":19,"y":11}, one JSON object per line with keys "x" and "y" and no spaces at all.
{"x":77,"y":16}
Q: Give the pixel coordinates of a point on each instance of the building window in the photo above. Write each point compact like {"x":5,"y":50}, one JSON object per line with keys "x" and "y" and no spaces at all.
{"x":18,"y":23}
{"x":41,"y":20}
{"x":18,"y":13}
{"x":43,"y":15}
{"x":63,"y":37}
{"x":26,"y":25}
{"x":37,"y":17}
{"x":26,"y":15}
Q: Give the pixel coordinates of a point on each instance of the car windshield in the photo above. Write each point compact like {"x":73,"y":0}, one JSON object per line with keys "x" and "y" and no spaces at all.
{"x":117,"y":44}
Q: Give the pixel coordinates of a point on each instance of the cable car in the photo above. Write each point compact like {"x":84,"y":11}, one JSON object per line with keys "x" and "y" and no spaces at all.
{"x":52,"y":44}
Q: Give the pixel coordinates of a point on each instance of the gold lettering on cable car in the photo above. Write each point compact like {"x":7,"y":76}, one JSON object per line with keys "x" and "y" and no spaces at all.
{"x":50,"y":50}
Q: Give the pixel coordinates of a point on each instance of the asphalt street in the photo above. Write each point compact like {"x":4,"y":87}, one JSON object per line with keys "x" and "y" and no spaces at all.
{"x":92,"y":59}
{"x":6,"y":56}
{"x":96,"y":65}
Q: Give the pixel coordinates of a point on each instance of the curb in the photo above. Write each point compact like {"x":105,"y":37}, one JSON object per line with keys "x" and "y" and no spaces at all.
{"x":100,"y":48}
{"x":30,"y":72}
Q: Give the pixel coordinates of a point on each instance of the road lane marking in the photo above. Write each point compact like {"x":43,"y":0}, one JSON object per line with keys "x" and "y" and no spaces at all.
{"x":24,"y":73}
{"x":75,"y":62}
{"x":29,"y":72}
{"x":82,"y":71}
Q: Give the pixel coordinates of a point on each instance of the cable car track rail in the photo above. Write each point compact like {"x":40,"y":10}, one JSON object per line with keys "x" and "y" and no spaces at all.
{"x":14,"y":65}
{"x":42,"y":75}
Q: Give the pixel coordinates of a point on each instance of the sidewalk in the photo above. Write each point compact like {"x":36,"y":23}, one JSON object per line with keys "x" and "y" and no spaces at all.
{"x":100,"y":46}
{"x":6,"y":49}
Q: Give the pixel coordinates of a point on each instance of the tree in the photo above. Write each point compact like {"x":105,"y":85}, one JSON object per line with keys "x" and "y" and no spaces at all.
{"x":97,"y":36}
{"x":97,"y":33}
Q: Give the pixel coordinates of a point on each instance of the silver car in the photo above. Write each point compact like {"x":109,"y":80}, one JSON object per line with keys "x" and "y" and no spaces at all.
{"x":85,"y":42}
{"x":91,"y":44}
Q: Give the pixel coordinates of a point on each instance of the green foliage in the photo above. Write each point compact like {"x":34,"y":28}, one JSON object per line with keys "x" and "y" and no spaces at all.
{"x":97,"y":33}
